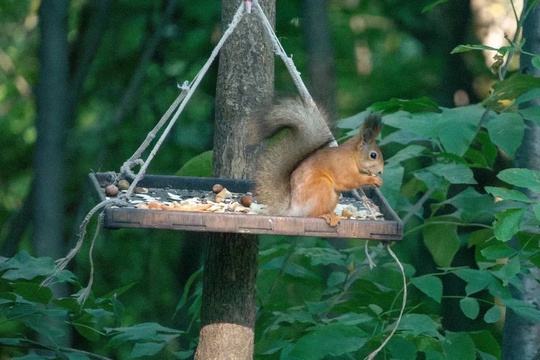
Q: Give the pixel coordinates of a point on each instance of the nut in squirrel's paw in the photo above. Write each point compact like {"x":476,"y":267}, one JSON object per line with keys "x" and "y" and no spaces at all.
{"x":377,"y":181}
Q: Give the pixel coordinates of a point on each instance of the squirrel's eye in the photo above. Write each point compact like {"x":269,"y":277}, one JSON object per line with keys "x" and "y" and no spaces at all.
{"x":373,"y":155}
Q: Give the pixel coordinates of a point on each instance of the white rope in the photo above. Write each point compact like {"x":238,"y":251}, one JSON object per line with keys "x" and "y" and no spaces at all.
{"x":135,"y":159}
{"x":403,"y":304}
{"x":278,"y":49}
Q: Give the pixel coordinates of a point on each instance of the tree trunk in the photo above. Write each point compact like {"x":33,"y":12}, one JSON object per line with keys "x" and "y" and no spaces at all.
{"x":51,"y":121}
{"x":52,"y":110}
{"x":318,"y":39}
{"x":245,"y":84}
{"x":521,"y":337}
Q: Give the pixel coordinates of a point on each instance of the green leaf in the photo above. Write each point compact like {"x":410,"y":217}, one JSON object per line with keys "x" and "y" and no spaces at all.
{"x":352,"y":122}
{"x":453,"y":172}
{"x":429,"y":285}
{"x":403,"y":349}
{"x":506,"y":131}
{"x":422,"y":104}
{"x":393,"y":180}
{"x":459,"y":346}
{"x":431,"y":180}
{"x":432,"y":5}
{"x":45,"y":321}
{"x":407,"y":153}
{"x":536,"y":209}
{"x":487,"y":148}
{"x":470,"y":307}
{"x":493,"y":315}
{"x":434,"y":355}
{"x":511,"y":88}
{"x":487,"y":344}
{"x":495,"y":252}
{"x":183,"y":300}
{"x":524,"y":309}
{"x":535,"y":61}
{"x":33,"y":292}
{"x":34,"y":357}
{"x":477,"y":280}
{"x":531,"y":95}
{"x":531,"y":113}
{"x":329,"y":341}
{"x":353,"y":319}
{"x":457,"y":127}
{"x":463,"y":48}
{"x":25,"y":267}
{"x":508,"y":270}
{"x":471,"y":205}
{"x":418,"y":324}
{"x":453,"y":128}
{"x":506,"y":223}
{"x":507,"y":194}
{"x":76,"y":356}
{"x":376,"y":309}
{"x":299,"y":271}
{"x":524,"y":178}
{"x":12,"y":341}
{"x":146,"y":349}
{"x":200,"y":165}
{"x":442,"y":242}
{"x":143,"y":332}
{"x":322,"y":256}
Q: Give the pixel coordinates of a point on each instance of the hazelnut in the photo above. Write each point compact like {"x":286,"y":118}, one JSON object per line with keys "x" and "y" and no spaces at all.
{"x":123,"y":185}
{"x":111,"y":191}
{"x":217,"y":188}
{"x":246,"y":200}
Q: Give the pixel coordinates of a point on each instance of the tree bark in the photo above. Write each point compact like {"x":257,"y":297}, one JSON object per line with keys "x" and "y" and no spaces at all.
{"x":521,"y":338}
{"x":245,"y":84}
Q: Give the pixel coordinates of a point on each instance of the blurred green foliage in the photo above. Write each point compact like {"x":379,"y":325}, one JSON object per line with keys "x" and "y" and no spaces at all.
{"x":146,"y":293}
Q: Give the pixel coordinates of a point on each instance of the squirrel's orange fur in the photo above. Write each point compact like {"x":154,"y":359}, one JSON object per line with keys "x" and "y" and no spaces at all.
{"x":299,"y":175}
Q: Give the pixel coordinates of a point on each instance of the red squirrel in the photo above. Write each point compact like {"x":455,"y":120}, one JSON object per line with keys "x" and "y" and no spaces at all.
{"x":299,"y":174}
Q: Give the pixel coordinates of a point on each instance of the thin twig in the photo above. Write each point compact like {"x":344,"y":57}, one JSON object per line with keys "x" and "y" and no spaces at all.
{"x":418,"y":205}
{"x":517,"y":33}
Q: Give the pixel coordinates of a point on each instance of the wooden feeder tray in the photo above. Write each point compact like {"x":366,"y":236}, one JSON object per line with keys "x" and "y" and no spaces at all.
{"x":390,"y":227}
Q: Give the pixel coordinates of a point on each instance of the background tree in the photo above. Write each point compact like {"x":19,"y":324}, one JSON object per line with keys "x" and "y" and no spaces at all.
{"x":521,"y":337}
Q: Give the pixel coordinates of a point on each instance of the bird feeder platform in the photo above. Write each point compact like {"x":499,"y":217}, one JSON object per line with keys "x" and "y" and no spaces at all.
{"x":169,"y":202}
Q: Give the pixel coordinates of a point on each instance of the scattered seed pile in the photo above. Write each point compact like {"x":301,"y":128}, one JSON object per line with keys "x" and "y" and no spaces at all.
{"x":221,"y":200}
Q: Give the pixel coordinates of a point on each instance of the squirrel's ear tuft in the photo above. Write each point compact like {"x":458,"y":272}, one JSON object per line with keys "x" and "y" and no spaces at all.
{"x":372,"y":127}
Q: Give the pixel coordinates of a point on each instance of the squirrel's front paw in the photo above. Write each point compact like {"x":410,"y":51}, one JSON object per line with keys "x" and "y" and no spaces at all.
{"x":375,"y":181}
{"x":331,"y":219}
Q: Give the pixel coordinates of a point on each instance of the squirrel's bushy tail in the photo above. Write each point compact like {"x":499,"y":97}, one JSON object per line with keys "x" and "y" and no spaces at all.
{"x":307,"y":130}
